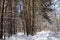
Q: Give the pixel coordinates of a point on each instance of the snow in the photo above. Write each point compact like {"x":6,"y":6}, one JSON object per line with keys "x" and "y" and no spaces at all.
{"x":43,"y":35}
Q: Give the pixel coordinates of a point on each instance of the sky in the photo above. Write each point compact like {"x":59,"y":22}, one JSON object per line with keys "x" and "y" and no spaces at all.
{"x":56,"y":6}
{"x":20,"y":6}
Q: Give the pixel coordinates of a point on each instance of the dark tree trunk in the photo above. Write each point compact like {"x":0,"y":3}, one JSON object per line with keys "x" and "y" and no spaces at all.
{"x":33,"y":18}
{"x":1,"y":34}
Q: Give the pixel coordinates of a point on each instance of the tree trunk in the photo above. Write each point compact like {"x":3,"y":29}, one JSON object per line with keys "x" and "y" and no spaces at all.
{"x":1,"y":34}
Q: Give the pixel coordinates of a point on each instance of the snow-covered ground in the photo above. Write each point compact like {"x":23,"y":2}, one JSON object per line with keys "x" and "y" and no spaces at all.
{"x":43,"y":35}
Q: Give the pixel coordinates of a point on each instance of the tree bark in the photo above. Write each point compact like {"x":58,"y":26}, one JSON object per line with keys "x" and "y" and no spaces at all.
{"x":1,"y":34}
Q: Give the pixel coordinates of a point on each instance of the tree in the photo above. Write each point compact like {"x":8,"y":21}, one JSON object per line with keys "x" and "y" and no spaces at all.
{"x":12,"y":17}
{"x":29,"y":13}
{"x":44,"y":6}
{"x":1,"y":34}
{"x":8,"y":18}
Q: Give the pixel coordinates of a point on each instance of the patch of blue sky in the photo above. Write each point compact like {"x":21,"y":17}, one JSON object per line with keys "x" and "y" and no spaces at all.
{"x":20,"y":6}
{"x":56,"y":5}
